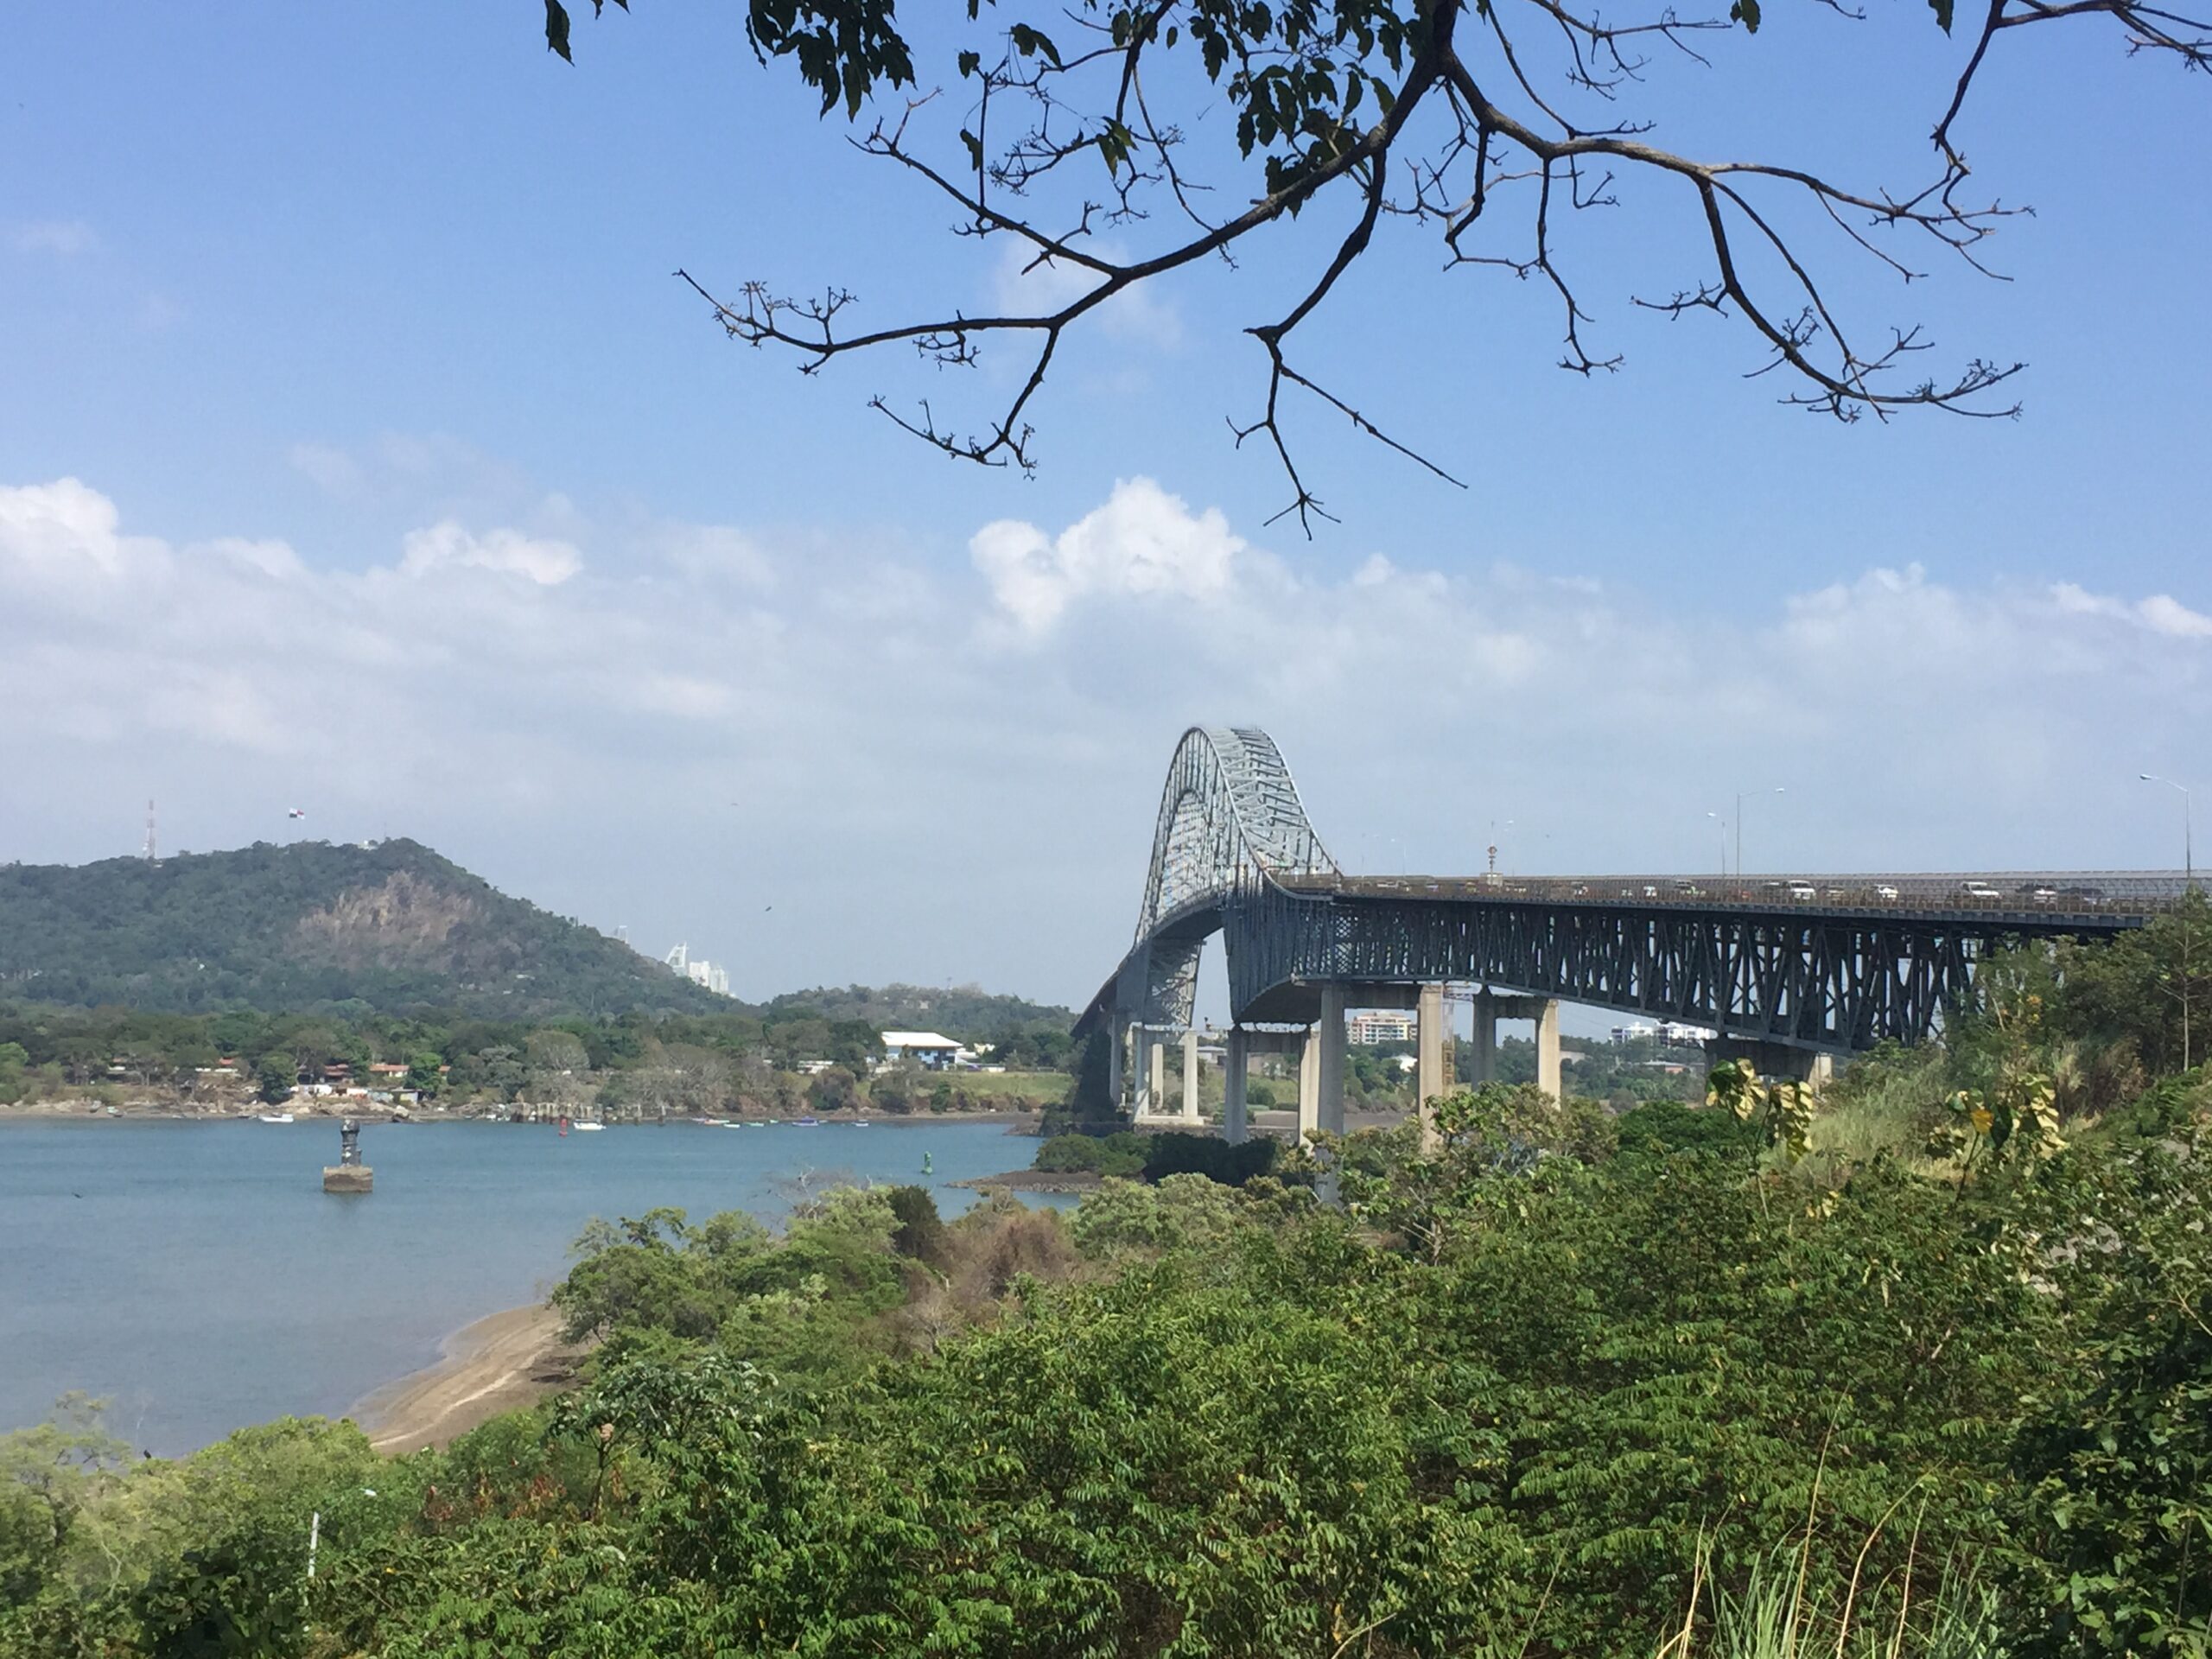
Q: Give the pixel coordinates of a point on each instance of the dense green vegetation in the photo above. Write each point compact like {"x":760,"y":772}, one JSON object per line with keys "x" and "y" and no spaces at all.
{"x":1922,"y":1367}
{"x":723,"y":1062}
{"x":1155,"y":1156}
{"x":390,"y":928}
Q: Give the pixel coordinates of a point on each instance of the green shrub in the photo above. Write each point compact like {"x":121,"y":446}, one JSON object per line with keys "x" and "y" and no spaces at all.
{"x":1665,"y":1126}
{"x":1176,"y":1153}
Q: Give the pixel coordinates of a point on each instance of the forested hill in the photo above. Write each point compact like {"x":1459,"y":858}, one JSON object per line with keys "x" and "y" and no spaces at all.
{"x":962,"y":1011}
{"x":383,"y":928}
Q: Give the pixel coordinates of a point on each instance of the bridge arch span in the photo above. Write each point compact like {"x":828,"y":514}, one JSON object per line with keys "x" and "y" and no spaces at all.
{"x":1228,"y":815}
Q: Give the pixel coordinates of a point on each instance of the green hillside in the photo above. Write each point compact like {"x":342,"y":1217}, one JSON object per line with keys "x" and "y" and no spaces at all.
{"x":381,"y":928}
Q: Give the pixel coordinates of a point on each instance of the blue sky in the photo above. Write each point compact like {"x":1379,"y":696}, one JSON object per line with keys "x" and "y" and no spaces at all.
{"x":425,"y":498}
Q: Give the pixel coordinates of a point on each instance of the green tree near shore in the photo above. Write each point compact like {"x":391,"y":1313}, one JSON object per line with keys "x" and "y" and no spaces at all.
{"x":275,"y":1078}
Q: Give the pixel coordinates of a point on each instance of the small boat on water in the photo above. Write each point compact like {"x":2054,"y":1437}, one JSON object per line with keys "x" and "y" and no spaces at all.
{"x":587,"y":1129}
{"x":275,"y":1117}
{"x":860,"y":1122}
{"x":807,"y":1123}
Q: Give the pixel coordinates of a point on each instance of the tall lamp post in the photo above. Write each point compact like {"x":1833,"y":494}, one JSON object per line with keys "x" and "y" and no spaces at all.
{"x":2187,"y":886}
{"x":2188,"y":853}
{"x":1740,"y":798}
{"x":1721,"y":826}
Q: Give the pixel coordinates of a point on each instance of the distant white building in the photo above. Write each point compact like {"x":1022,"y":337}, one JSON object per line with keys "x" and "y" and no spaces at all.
{"x":930,"y":1049}
{"x":698,"y":969}
{"x":702,"y":972}
{"x":1372,"y":1026}
{"x":1669,"y":1032}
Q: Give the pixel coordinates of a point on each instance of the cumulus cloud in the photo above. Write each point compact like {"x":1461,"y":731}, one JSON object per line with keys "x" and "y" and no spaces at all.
{"x":546,"y":562}
{"x":678,"y":732}
{"x":2160,"y":613}
{"x":1142,"y":542}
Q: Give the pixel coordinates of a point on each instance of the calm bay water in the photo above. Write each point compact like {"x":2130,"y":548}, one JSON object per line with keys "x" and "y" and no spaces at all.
{"x":198,"y":1275}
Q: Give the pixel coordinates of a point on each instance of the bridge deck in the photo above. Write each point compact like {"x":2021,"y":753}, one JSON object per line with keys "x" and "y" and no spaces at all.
{"x":2098,"y":898}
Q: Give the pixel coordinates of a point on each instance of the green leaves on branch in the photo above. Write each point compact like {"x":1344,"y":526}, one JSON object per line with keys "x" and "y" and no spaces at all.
{"x":1784,"y":1111}
{"x":844,"y":48}
{"x":2015,"y":1121}
{"x":557,"y":24}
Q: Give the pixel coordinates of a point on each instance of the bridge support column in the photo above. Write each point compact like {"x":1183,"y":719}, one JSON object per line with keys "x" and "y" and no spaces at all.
{"x":1191,"y":1075}
{"x":1548,"y":1055}
{"x":1330,"y":1080}
{"x":1155,"y":1094}
{"x":1485,"y":1056}
{"x":1117,"y":1045}
{"x":1429,"y":1080}
{"x":1309,"y":1081}
{"x":1233,"y":1127}
{"x":1331,"y":1104}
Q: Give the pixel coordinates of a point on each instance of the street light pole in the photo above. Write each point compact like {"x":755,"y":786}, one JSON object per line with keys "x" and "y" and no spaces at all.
{"x":1720,"y":824}
{"x":2188,"y":886}
{"x":1777,"y":790}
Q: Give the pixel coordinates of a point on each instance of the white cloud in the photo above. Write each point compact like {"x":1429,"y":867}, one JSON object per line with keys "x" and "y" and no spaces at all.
{"x":2160,"y":613}
{"x":1143,"y":543}
{"x":63,"y":236}
{"x":547,"y":564}
{"x":663,"y":734}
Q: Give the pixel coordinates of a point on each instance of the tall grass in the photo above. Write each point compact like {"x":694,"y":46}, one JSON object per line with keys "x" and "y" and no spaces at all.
{"x":1773,"y":1616}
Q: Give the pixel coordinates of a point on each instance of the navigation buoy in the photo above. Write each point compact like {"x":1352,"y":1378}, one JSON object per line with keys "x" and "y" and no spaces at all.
{"x":349,"y":1173}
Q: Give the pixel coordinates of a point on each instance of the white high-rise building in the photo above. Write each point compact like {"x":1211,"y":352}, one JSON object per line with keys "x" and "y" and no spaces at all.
{"x":698,"y":969}
{"x":1372,"y":1026}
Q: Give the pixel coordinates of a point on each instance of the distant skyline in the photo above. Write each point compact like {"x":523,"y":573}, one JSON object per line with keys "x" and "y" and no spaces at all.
{"x":361,"y":456}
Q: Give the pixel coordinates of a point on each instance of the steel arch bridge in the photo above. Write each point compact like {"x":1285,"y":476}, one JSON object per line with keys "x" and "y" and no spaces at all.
{"x":1834,"y":963}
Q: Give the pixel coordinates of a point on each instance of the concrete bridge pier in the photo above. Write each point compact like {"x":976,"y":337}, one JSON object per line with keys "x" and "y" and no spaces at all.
{"x":1117,"y":1048}
{"x":1543,"y":1011}
{"x":1309,"y":1081}
{"x":1155,"y":1092}
{"x":1431,"y":1077}
{"x":1779,"y":1060}
{"x":1191,"y":1075}
{"x":1330,"y":1083}
{"x":1329,"y":1078}
{"x":1234,"y":1129}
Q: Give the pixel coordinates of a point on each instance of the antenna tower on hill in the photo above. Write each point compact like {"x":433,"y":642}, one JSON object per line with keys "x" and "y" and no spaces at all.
{"x":153,"y":852}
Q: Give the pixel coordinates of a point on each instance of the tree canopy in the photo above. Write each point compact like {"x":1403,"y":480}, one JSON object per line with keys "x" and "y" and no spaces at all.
{"x":1481,"y":127}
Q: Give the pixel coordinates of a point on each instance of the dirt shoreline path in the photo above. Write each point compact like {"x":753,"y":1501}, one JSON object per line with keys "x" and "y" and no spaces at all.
{"x":499,"y":1363}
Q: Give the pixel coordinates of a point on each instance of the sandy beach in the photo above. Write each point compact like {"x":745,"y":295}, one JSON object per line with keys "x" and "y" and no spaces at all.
{"x":499,"y":1362}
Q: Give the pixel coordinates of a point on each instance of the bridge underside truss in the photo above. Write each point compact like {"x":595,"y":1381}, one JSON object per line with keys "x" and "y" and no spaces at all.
{"x":1811,"y":982}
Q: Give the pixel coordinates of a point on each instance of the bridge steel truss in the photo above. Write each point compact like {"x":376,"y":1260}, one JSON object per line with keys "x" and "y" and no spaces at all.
{"x":1823,"y":982}
{"x":1233,"y":853}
